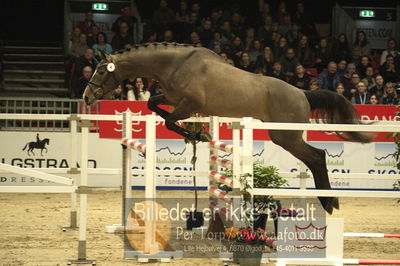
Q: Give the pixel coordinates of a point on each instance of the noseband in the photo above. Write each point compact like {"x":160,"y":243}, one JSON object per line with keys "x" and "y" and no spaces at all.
{"x":100,"y":87}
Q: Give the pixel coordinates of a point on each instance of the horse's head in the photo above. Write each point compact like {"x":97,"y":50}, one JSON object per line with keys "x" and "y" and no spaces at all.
{"x":103,"y":80}
{"x":46,"y":141}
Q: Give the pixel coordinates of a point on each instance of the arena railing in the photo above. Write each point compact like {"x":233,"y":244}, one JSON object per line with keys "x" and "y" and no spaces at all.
{"x":43,"y":106}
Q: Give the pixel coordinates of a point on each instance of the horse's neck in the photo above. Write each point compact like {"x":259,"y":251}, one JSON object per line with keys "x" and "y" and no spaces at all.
{"x":157,"y":62}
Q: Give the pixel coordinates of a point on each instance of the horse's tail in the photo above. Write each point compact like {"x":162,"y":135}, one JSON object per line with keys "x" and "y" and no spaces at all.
{"x":333,"y":108}
{"x":25,"y":146}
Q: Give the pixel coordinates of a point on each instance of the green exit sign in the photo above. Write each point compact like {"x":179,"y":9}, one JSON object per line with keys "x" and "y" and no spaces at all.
{"x":100,"y":6}
{"x":367,"y":13}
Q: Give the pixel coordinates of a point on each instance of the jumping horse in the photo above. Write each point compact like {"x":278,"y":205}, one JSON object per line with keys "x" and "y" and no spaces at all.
{"x":197,"y":80}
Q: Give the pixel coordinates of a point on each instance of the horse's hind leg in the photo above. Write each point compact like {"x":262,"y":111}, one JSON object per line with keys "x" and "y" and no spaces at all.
{"x":313,"y":158}
{"x":184,"y":110}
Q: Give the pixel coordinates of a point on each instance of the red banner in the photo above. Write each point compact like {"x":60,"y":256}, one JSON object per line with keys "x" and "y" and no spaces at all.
{"x":111,"y":129}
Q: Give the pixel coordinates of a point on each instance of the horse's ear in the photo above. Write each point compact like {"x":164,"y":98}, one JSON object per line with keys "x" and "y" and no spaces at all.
{"x":102,"y":55}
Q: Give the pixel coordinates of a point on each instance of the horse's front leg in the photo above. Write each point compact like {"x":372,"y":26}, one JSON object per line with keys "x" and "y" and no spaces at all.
{"x":153,"y":103}
{"x":182,"y":111}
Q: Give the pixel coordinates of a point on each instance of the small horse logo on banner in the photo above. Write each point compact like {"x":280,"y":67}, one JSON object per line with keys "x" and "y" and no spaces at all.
{"x":38,"y":144}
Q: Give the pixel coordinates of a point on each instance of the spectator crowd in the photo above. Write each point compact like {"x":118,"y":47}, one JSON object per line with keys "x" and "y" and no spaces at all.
{"x":272,"y":42}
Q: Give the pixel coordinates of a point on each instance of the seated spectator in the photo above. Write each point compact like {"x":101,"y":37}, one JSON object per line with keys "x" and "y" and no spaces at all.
{"x":101,"y":45}
{"x":217,"y":49}
{"x":388,"y":70}
{"x":137,"y":90}
{"x":280,"y":50}
{"x":80,"y":84}
{"x":197,"y":9}
{"x":341,"y":49}
{"x":304,"y":52}
{"x":74,"y":36}
{"x":226,"y":33}
{"x":216,"y":40}
{"x":346,"y":78}
{"x":342,"y":68}
{"x":322,"y":55}
{"x":390,"y":50}
{"x":206,"y":33}
{"x":245,"y":64}
{"x":390,"y":94}
{"x":122,"y":39}
{"x":369,"y":78}
{"x":236,"y":49}
{"x":126,"y":17}
{"x":216,"y":17}
{"x":149,"y":36}
{"x":329,"y":79}
{"x":277,"y":71}
{"x":237,"y":27}
{"x":87,"y":59}
{"x":163,"y":17}
{"x":265,"y":61}
{"x":289,"y":62}
{"x":86,"y":25}
{"x":255,"y":50}
{"x":340,"y":89}
{"x":286,"y":25}
{"x":362,"y":43}
{"x":78,"y":49}
{"x":355,"y":55}
{"x":374,"y":100}
{"x":361,"y":96}
{"x":378,"y":88}
{"x":300,"y":79}
{"x":249,"y":38}
{"x":195,"y":39}
{"x":351,"y":88}
{"x":92,"y":37}
{"x":168,"y":36}
{"x":294,"y":35}
{"x":314,"y":85}
{"x":362,"y":66}
{"x":304,"y":19}
{"x":264,"y":33}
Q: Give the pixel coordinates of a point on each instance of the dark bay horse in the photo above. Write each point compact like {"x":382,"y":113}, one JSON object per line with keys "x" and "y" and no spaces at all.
{"x":196,"y":80}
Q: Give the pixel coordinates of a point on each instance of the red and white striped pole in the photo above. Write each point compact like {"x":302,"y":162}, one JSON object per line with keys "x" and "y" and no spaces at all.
{"x":378,"y":235}
{"x":221,"y":162}
{"x":222,"y":146}
{"x":220,"y":193}
{"x":221,"y":178}
{"x":134,"y":144}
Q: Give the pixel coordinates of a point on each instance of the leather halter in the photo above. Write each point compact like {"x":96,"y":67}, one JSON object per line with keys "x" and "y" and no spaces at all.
{"x":100,"y":87}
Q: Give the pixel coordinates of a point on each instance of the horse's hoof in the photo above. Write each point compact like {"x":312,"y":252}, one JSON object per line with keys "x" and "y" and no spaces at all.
{"x":204,"y":137}
{"x":328,"y":203}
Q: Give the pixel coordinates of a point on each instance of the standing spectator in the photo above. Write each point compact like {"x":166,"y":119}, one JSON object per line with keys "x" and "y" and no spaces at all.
{"x":351,"y":88}
{"x":346,"y":78}
{"x":289,"y":63}
{"x":355,"y":55}
{"x":78,"y":49}
{"x":369,"y":78}
{"x":362,"y":66}
{"x":378,"y":88}
{"x":282,"y":47}
{"x":322,"y":55}
{"x":74,"y":36}
{"x":341,"y":49}
{"x":374,"y":100}
{"x":127,"y":17}
{"x":304,"y":52}
{"x":391,"y":49}
{"x":390,"y":94}
{"x":87,"y":25}
{"x":300,"y":79}
{"x":101,"y":45}
{"x":314,"y":85}
{"x":388,"y":70}
{"x":122,"y":39}
{"x":329,"y":79}
{"x":265,"y":61}
{"x":205,"y":32}
{"x":255,"y":50}
{"x":362,"y":96}
{"x":163,"y":17}
{"x":236,"y":49}
{"x":277,"y":71}
{"x":362,"y":43}
{"x":245,"y":64}
{"x":340,"y":89}
{"x":81,"y":83}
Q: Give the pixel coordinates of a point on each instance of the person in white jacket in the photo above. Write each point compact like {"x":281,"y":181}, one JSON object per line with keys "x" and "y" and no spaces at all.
{"x":136,"y":90}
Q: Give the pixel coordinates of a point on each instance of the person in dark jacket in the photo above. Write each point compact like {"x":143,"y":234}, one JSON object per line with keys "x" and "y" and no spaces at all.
{"x":300,"y":79}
